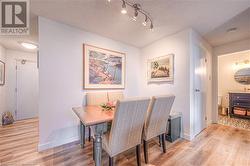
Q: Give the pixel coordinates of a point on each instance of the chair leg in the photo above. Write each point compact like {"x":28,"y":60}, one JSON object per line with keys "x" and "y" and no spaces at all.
{"x":138,"y":155}
{"x":145,"y":148}
{"x":159,"y":140}
{"x":163,"y":143}
{"x":93,"y":150}
{"x":111,"y":161}
{"x":89,"y":134}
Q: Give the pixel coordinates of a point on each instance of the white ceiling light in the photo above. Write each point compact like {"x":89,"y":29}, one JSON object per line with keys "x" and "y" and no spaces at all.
{"x":29,"y":46}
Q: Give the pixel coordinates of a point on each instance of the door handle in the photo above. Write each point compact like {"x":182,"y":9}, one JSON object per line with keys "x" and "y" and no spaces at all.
{"x":197,"y":90}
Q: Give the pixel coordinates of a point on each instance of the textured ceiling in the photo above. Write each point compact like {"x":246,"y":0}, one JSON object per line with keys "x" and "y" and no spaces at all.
{"x":170,"y":16}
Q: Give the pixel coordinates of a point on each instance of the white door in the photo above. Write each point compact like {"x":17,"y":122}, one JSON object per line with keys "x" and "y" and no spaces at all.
{"x":200,"y":91}
{"x":27,"y":90}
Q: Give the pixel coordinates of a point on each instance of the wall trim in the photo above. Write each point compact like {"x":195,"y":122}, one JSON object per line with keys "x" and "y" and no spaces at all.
{"x":187,"y":136}
{"x":56,"y":143}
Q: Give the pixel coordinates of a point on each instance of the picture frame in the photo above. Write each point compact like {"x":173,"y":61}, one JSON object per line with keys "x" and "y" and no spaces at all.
{"x":161,"y":69}
{"x":103,"y":68}
{"x":2,"y":73}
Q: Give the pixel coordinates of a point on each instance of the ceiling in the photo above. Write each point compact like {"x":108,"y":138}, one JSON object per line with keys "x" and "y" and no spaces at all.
{"x":220,"y":35}
{"x":208,"y":17}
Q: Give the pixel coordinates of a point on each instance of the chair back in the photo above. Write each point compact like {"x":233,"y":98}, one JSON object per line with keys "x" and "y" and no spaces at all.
{"x":127,"y":125}
{"x":114,"y":96}
{"x":96,"y":98}
{"x":157,"y":117}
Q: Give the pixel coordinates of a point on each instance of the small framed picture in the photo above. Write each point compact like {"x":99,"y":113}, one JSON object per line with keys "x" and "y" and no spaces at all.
{"x":2,"y":73}
{"x":161,"y":69}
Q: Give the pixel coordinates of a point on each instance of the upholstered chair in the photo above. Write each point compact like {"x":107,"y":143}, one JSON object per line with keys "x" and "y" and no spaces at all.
{"x":156,"y":121}
{"x":114,"y":96}
{"x":95,"y":98}
{"x":126,"y":128}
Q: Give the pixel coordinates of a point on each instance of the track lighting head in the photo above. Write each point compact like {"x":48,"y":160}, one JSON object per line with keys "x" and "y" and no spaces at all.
{"x":145,"y":22}
{"x":151,"y":26}
{"x":134,"y":18}
{"x":123,"y":11}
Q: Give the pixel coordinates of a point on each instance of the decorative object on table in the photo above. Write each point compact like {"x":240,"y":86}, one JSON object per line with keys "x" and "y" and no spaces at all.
{"x":7,"y":118}
{"x":161,"y":69}
{"x":103,"y":68}
{"x":242,"y":76}
{"x":109,"y":106}
{"x":2,"y":73}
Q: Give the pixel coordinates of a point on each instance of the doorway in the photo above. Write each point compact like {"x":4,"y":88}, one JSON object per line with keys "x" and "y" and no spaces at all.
{"x":26,"y":89}
{"x":234,"y":91}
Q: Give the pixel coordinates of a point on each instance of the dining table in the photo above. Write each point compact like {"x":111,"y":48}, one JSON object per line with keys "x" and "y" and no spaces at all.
{"x":97,"y":118}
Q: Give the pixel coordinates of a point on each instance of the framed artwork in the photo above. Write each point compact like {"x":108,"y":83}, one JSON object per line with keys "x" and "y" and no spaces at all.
{"x":2,"y":73}
{"x":161,"y":69}
{"x":103,"y":68}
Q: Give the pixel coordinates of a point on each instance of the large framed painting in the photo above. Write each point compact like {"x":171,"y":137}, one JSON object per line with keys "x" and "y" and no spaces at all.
{"x":161,"y":69}
{"x":103,"y":68}
{"x":2,"y":73}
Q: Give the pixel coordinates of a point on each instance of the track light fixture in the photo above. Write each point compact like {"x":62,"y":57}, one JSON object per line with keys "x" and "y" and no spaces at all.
{"x":134,"y":18}
{"x":137,"y":10}
{"x":123,"y":11}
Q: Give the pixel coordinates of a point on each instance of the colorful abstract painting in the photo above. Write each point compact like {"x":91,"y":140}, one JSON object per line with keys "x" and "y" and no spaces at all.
{"x":161,"y":69}
{"x":103,"y":69}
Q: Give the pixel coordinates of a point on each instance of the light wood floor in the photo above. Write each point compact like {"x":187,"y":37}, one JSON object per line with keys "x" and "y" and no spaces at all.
{"x":216,"y":146}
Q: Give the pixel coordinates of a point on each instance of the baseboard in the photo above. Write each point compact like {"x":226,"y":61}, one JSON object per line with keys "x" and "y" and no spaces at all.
{"x":186,"y":136}
{"x":53,"y":144}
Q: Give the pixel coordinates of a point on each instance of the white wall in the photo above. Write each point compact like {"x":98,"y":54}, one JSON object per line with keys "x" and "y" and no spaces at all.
{"x":11,"y":57}
{"x":60,"y":78}
{"x":177,"y":44}
{"x":2,"y":88}
{"x":226,"y":71}
{"x":180,"y":44}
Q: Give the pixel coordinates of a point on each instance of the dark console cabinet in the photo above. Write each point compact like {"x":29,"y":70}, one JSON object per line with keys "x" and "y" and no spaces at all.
{"x":239,"y":105}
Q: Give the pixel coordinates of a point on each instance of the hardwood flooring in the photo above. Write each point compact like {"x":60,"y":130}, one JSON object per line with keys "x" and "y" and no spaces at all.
{"x":216,"y":146}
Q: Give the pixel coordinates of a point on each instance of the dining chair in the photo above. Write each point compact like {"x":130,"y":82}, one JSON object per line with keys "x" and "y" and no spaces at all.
{"x":95,"y":99}
{"x":156,"y":121}
{"x":114,"y":96}
{"x":126,"y":128}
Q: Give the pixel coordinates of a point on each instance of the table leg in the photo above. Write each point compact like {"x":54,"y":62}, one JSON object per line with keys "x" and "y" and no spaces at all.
{"x":99,"y":129}
{"x":82,"y":134}
{"x":98,"y":149}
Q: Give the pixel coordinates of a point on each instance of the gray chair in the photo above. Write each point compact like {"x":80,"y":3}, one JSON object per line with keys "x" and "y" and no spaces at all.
{"x":156,"y":122}
{"x":126,"y":128}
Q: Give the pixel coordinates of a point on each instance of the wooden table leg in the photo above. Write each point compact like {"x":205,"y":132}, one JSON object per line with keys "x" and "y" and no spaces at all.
{"x":82,"y":134}
{"x":99,"y":129}
{"x":98,"y":149}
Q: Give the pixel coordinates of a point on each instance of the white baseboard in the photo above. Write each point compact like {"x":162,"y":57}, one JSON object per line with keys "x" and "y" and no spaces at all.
{"x":49,"y":145}
{"x":186,"y":136}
